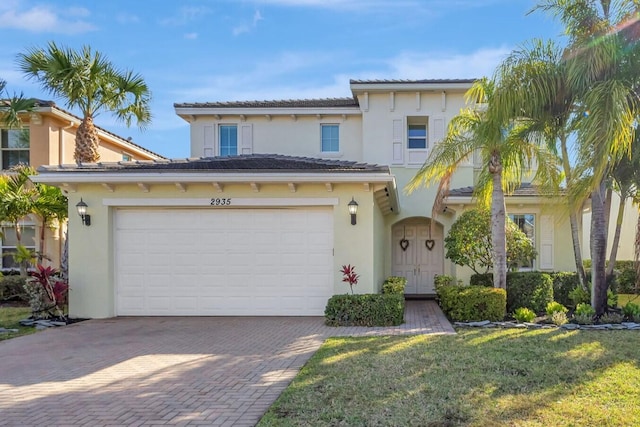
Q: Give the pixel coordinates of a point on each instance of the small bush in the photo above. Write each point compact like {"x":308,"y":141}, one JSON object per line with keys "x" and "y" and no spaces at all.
{"x":12,"y":289}
{"x":584,"y":314}
{"x":559,"y":318}
{"x":612,"y":298}
{"x":443,"y":280}
{"x":533,"y":290}
{"x":394,"y":285}
{"x":365,"y":310}
{"x":579,"y":296}
{"x":523,"y":314}
{"x":555,"y":307}
{"x":611,"y":317}
{"x":626,"y":278}
{"x":563,"y":284}
{"x":631,"y":310}
{"x":485,"y":279}
{"x":472,"y":303}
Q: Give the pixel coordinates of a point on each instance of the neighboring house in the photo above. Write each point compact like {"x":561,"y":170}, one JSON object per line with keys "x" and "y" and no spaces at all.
{"x":259,"y":224}
{"x":47,"y":137}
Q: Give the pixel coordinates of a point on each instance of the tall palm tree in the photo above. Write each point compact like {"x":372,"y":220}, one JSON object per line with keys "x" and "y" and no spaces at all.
{"x":534,"y":83}
{"x":603,"y":64}
{"x":11,"y":106}
{"x":507,"y":154}
{"x":49,"y":204}
{"x":86,"y":80}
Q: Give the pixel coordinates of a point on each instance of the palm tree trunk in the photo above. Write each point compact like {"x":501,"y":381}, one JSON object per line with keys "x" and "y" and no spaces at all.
{"x":616,"y":237}
{"x":498,"y":218}
{"x":87,"y":142}
{"x":636,"y":253}
{"x":598,"y":250}
{"x":573,"y":218}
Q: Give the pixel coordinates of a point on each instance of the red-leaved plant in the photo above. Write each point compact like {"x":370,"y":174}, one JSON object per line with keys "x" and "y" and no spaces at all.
{"x":55,"y":288}
{"x":350,"y":275}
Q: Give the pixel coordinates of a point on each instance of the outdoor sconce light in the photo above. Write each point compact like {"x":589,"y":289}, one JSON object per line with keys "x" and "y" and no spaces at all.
{"x":353,"y":210}
{"x":82,"y":211}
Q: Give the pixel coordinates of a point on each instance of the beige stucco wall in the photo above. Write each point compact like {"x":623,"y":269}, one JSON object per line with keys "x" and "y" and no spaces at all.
{"x":91,"y":249}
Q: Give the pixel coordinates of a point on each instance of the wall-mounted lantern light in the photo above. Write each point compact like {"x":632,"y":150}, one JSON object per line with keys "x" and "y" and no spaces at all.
{"x":82,"y":211}
{"x":353,"y":210}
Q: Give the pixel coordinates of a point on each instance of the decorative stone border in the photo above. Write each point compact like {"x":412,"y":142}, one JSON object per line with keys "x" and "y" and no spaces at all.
{"x":42,"y":323}
{"x":567,"y":326}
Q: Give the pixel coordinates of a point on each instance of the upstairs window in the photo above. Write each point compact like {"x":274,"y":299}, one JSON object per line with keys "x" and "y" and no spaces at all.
{"x":330,"y":135}
{"x":417,"y":133}
{"x":228,"y":140}
{"x":14,"y":147}
{"x":127,"y":157}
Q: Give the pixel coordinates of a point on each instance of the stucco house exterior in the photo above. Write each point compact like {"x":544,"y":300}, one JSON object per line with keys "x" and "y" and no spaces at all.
{"x":258,"y":221}
{"x":47,"y":137}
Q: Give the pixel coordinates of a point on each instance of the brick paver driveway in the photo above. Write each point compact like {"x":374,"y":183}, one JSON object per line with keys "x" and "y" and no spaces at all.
{"x":166,"y":371}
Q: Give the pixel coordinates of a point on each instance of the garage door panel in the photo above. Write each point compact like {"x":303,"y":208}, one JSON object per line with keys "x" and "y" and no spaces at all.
{"x":224,"y":261}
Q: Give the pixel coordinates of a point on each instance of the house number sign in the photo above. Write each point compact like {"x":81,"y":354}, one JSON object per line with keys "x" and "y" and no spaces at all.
{"x":216,"y":201}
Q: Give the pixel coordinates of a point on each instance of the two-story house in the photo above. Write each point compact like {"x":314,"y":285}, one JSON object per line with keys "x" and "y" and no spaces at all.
{"x":47,"y":137}
{"x":277,"y":196}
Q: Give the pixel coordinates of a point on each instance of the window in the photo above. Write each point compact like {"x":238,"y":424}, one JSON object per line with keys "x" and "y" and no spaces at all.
{"x":10,"y":242}
{"x":526,"y":223}
{"x":228,"y":140}
{"x":14,"y":147}
{"x":330,"y":138}
{"x":417,"y":133}
{"x":127,"y":157}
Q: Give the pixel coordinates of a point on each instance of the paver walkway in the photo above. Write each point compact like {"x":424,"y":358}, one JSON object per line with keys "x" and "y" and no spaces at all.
{"x":184,"y":371}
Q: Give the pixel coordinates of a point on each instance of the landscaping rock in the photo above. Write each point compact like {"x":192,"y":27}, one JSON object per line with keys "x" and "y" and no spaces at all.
{"x":481,"y":323}
{"x":570,"y":326}
{"x":7,"y":331}
{"x":57,"y":323}
{"x":27,"y":322}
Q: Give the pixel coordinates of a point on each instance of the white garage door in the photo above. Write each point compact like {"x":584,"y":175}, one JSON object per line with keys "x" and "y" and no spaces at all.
{"x":223,"y":261}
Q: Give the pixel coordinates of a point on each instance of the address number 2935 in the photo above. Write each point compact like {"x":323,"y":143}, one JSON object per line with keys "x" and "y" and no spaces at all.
{"x":220,"y":202}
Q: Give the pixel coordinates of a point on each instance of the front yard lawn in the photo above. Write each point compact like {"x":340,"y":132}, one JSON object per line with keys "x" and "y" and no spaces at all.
{"x":493,"y":377}
{"x":9,"y":318}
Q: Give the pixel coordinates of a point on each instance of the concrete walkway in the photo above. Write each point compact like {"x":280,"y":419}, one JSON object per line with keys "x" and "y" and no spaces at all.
{"x":183,"y":371}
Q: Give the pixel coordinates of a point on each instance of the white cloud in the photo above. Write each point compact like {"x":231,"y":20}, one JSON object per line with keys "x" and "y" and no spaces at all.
{"x":127,"y":18}
{"x":42,"y":19}
{"x":247,"y":28}
{"x":186,"y":15}
{"x":191,"y":36}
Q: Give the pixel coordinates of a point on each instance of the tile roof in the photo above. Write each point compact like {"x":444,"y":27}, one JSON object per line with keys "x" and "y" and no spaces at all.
{"x":525,"y":190}
{"x":401,"y":81}
{"x":285,"y":103}
{"x":254,"y":163}
{"x":51,"y":104}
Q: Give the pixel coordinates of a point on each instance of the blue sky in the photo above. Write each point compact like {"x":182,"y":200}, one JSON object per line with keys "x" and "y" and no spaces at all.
{"x":221,"y":50}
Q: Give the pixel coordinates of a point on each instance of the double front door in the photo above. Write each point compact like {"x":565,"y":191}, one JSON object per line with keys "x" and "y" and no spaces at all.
{"x":418,"y":256}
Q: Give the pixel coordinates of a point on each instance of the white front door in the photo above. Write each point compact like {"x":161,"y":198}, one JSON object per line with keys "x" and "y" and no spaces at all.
{"x":418,"y":256}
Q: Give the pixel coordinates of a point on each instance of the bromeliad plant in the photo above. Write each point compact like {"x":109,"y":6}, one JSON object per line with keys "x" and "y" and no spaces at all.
{"x":47,"y":293}
{"x":350,"y":275}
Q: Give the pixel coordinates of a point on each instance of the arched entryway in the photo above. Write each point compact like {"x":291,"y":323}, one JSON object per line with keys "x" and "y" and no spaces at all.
{"x":418,"y":254}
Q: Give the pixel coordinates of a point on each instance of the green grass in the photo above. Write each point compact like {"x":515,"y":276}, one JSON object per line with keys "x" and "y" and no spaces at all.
{"x":623,"y":299}
{"x":476,"y":378}
{"x":9,"y":318}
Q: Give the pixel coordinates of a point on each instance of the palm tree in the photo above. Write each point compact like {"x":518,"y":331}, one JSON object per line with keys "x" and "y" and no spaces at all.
{"x":603,"y":63}
{"x":11,"y":106}
{"x":506,"y":152}
{"x":534,"y":84}
{"x":50,"y":204}
{"x":86,"y":80}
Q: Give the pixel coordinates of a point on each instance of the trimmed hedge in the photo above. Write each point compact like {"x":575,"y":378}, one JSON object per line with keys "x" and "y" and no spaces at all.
{"x":472,"y":303}
{"x":365,"y":310}
{"x":563,"y":283}
{"x":394,"y":285}
{"x":485,"y":279}
{"x":530,"y":289}
{"x":12,"y":289}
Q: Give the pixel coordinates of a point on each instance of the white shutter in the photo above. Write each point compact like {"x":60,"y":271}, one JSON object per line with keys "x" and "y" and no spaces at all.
{"x":246,"y":139}
{"x":437,"y":130}
{"x":546,"y":242}
{"x":208,"y":142}
{"x":397,"y":137}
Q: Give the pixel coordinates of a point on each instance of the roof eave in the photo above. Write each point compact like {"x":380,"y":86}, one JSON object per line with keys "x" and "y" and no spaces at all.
{"x":409,"y":87}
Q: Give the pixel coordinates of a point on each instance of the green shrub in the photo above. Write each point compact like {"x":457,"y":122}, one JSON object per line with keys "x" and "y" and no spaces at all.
{"x":555,"y":307}
{"x":485,"y":279}
{"x":523,"y":314}
{"x":579,"y":296}
{"x":472,"y":303}
{"x":365,"y":310}
{"x":611,"y":317}
{"x":559,"y":318}
{"x":563,"y":283}
{"x":631,"y":310}
{"x":625,"y":277}
{"x":533,"y":290}
{"x":443,"y":280}
{"x":12,"y":289}
{"x":584,"y":314}
{"x":394,"y":285}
